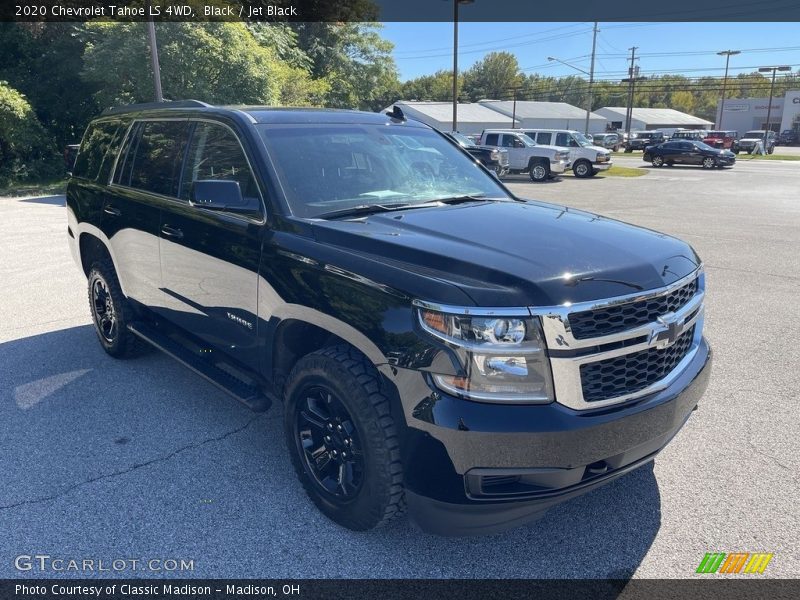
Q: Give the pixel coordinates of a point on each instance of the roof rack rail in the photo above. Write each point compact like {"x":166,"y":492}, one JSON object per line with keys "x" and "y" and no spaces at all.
{"x":153,"y":105}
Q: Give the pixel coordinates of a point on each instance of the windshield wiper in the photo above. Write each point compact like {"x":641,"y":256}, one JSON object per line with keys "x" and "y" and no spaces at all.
{"x":364,"y":209}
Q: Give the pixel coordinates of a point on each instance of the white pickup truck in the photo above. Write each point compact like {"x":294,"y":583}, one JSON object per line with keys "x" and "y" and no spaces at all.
{"x":525,"y":155}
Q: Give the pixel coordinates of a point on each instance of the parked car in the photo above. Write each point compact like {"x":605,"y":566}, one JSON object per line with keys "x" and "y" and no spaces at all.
{"x":438,"y":344}
{"x":612,"y":141}
{"x":539,"y":161}
{"x":585,"y":159}
{"x":493,"y":158}
{"x":688,"y":152}
{"x":639,"y":140}
{"x":697,"y":135}
{"x":748,"y":141}
{"x":727,"y":140}
{"x":788,"y":137}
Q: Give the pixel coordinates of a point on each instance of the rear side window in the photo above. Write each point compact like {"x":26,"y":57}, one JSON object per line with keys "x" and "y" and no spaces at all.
{"x":215,"y":153}
{"x":97,"y":150}
{"x":544,"y":138}
{"x":153,"y":156}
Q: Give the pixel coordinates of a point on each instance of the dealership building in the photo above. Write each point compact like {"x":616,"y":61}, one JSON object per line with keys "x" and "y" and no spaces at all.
{"x":744,"y":114}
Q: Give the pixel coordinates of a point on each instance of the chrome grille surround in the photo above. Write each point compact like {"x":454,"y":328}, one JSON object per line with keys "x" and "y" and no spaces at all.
{"x":567,"y":353}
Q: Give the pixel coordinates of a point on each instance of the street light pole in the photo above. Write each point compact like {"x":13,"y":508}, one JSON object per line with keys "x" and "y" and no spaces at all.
{"x":771,"y":91}
{"x":590,"y":73}
{"x":631,"y":79}
{"x":727,"y":54}
{"x":455,"y":59}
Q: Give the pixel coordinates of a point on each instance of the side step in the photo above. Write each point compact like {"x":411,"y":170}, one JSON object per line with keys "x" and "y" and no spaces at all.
{"x":249,"y":395}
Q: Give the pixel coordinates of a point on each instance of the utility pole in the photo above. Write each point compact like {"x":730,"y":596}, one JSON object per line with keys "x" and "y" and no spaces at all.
{"x":727,"y":54}
{"x":771,"y":92}
{"x":630,"y":80}
{"x":151,"y":38}
{"x":514,"y":111}
{"x":591,"y":80}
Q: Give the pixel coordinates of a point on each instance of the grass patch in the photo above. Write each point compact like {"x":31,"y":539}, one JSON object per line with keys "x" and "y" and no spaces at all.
{"x":617,"y":171}
{"x":768,"y":157}
{"x":38,"y":188}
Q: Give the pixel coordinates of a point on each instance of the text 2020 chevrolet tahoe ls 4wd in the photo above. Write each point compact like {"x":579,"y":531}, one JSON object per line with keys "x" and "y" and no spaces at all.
{"x":439,"y":344}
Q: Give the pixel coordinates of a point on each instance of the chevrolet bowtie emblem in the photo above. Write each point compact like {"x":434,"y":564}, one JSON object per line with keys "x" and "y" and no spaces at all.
{"x":672,"y":330}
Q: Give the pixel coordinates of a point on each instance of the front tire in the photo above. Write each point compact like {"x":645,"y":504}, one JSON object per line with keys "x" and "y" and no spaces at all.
{"x":111,"y":312}
{"x":709,"y":163}
{"x":658,"y":161}
{"x":539,"y":171}
{"x":342,"y":439}
{"x":582,"y":169}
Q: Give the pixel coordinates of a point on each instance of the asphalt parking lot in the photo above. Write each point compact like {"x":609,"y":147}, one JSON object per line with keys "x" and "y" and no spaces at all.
{"x":142,"y":459}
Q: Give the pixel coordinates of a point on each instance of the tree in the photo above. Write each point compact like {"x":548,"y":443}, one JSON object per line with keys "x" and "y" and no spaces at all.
{"x":221,"y":63}
{"x":354,"y":59}
{"x":682,"y":100}
{"x":492,"y":77}
{"x":437,"y":87}
{"x":43,"y":61}
{"x":26,"y":152}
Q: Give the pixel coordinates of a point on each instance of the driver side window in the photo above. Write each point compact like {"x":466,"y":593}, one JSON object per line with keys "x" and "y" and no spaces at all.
{"x":215,"y":154}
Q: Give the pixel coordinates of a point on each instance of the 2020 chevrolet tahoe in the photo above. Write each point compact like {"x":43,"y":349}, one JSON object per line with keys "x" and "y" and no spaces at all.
{"x":439,"y":345}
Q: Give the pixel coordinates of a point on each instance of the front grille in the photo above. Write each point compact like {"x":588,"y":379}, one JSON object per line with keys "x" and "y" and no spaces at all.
{"x":613,"y":319}
{"x":631,"y":373}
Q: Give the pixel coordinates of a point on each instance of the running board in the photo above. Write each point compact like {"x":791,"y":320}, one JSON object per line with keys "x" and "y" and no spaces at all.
{"x":249,"y":395}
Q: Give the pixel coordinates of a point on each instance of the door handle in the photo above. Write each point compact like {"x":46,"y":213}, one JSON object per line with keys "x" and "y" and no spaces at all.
{"x":110,"y":210}
{"x":172,"y":232}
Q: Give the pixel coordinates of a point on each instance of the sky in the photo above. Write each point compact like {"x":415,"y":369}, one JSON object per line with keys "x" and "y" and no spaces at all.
{"x":684,"y":48}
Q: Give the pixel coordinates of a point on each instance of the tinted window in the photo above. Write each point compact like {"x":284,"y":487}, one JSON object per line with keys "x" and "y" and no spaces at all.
{"x":215,"y":153}
{"x":94,"y":157}
{"x":151,"y":157}
{"x":544,"y":138}
{"x":491,"y":139}
{"x":508,"y":141}
{"x":672,"y":145}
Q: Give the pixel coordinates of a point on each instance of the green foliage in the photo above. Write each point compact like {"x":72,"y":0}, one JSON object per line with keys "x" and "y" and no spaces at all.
{"x":26,"y":153}
{"x":436,"y":87}
{"x":215,"y":62}
{"x":492,"y":77}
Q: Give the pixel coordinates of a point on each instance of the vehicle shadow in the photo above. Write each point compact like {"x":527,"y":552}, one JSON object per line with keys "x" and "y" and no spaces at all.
{"x":59,"y":200}
{"x":143,"y":457}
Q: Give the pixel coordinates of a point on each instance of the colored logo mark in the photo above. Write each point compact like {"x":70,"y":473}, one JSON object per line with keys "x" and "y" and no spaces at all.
{"x":734,"y":562}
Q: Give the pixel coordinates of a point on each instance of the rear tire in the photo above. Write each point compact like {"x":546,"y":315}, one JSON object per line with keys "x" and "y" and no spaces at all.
{"x":111,"y":312}
{"x":658,"y":161}
{"x":709,"y":163}
{"x":342,"y":439}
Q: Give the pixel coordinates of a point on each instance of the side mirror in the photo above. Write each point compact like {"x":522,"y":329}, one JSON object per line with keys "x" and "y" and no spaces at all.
{"x":219,"y":194}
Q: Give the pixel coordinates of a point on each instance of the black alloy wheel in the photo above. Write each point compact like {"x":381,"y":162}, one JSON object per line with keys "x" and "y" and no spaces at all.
{"x":103,"y":312}
{"x":329,"y":442}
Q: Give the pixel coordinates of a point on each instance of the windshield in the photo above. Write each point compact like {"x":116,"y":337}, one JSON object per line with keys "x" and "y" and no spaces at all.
{"x":583,"y":140}
{"x":716,"y":134}
{"x":754,"y":134}
{"x":704,"y":146}
{"x":329,"y":167}
{"x":463,"y":140}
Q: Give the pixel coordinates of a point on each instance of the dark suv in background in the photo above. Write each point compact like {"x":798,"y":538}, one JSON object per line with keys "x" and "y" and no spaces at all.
{"x":639,"y":140}
{"x":438,"y":343}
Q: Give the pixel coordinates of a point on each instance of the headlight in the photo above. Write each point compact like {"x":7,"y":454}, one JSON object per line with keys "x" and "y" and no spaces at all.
{"x":562,"y":155}
{"x":503,"y":357}
{"x":495,"y":155}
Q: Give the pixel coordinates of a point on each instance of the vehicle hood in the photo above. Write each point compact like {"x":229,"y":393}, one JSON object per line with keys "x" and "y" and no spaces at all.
{"x":598,"y":149}
{"x":489,"y":148}
{"x":516,"y":253}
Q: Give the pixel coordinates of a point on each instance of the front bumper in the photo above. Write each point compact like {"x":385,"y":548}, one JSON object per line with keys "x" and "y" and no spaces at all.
{"x":475,"y":468}
{"x":558,"y":166}
{"x":602,"y":166}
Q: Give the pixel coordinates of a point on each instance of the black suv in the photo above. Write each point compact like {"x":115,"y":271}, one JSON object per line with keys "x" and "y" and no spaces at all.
{"x":639,"y":140}
{"x":438,"y":343}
